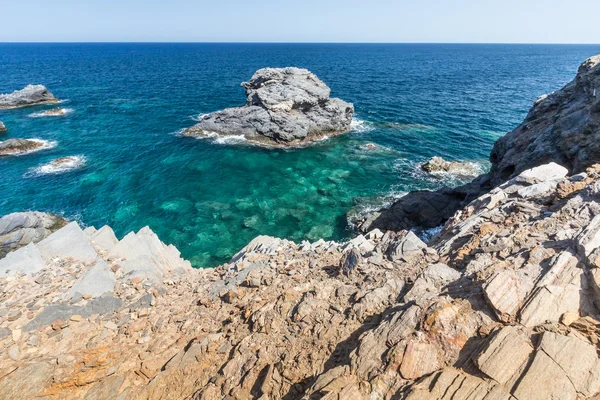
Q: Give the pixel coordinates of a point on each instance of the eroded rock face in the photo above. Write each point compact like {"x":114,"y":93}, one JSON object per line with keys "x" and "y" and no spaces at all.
{"x":29,"y":96}
{"x":284,"y":106}
{"x":563,"y":127}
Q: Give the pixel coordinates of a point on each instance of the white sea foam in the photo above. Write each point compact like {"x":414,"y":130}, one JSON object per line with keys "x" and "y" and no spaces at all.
{"x":358,"y":125}
{"x":60,"y":165}
{"x":427,"y":234}
{"x":42,"y":114}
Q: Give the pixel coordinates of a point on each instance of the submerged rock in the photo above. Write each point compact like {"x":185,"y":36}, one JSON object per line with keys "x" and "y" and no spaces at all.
{"x":55,"y":112}
{"x":437,"y":165}
{"x":284,"y":107}
{"x":29,"y":96}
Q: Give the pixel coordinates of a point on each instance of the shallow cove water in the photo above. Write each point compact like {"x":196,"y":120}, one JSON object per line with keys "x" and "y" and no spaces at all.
{"x":208,"y":197}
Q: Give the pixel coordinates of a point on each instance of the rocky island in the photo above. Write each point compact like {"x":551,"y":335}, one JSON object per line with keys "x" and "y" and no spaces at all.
{"x":503,"y":303}
{"x":31,"y":95}
{"x":285,"y":107}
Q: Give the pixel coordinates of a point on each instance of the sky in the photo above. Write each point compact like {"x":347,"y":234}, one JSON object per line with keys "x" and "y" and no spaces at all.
{"x":412,"y":21}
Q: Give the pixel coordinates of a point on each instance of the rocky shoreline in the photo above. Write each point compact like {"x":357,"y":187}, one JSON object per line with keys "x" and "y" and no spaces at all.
{"x":503,"y":303}
{"x":285,"y":107}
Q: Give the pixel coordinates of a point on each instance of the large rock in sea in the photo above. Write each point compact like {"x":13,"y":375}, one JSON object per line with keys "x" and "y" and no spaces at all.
{"x":20,"y":229}
{"x":284,"y":107}
{"x":2,"y":127}
{"x":563,"y":127}
{"x":29,"y":96}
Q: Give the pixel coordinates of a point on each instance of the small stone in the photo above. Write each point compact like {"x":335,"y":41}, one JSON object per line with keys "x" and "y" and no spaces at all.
{"x":13,"y":315}
{"x":14,"y":352}
{"x":76,"y":318}
{"x":349,"y":261}
{"x":57,"y":325}
{"x":16,"y":335}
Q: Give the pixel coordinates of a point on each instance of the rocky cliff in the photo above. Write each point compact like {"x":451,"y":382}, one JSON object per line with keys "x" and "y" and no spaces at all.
{"x":563,"y":127}
{"x":503,"y":303}
{"x":284,"y":107}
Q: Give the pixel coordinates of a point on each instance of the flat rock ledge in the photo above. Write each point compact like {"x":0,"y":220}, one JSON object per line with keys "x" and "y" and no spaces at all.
{"x":31,"y":95}
{"x":503,"y":304}
{"x":285,"y":107}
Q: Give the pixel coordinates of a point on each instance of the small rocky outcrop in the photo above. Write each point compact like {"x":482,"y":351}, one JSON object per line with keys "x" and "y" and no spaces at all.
{"x":20,"y":229}
{"x":284,"y":107}
{"x":14,"y":147}
{"x":563,"y":127}
{"x":2,"y":127}
{"x":31,"y":95}
{"x":437,"y":165}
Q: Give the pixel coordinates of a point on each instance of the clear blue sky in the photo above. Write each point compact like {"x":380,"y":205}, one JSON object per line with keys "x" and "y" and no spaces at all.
{"x":506,"y":21}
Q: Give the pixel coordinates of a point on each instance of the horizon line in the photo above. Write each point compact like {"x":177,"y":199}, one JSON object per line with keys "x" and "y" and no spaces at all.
{"x":296,"y":42}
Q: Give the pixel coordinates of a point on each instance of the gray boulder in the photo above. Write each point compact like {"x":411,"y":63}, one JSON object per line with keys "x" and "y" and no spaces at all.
{"x":284,"y":106}
{"x":29,"y":96}
{"x":20,"y":229}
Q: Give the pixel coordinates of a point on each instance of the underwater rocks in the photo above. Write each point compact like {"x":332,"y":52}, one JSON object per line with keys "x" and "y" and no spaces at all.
{"x":284,"y":107}
{"x":15,"y":147}
{"x":2,"y":127}
{"x":20,"y":229}
{"x":563,"y":127}
{"x":55,"y":112}
{"x":437,"y":165}
{"x":29,"y":96}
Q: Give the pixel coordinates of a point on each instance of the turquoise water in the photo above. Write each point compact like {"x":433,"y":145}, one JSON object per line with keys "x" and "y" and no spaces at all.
{"x":129,"y":101}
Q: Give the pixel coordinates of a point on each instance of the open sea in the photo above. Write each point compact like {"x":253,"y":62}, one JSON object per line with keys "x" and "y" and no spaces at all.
{"x":128,"y":102}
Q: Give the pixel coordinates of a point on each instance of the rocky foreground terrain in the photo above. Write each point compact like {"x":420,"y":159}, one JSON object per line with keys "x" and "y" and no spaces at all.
{"x":285,"y":107}
{"x":29,"y":96}
{"x":503,"y":303}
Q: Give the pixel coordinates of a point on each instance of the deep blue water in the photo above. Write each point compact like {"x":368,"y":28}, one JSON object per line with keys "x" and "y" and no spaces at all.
{"x":209,"y":199}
